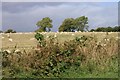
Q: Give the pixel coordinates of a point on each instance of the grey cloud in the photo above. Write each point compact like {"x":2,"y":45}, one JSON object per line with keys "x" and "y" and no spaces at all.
{"x":26,"y":20}
{"x":16,"y":7}
{"x":60,"y":0}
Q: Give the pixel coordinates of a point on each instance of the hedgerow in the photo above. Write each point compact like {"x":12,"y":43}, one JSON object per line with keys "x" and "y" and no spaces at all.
{"x":82,"y":55}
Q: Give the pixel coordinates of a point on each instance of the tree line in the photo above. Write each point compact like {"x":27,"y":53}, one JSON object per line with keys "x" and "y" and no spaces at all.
{"x":69,"y":25}
{"x":72,"y":25}
{"x":106,"y":29}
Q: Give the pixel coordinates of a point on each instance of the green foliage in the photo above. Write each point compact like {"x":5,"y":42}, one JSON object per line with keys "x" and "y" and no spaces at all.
{"x":81,"y":23}
{"x":39,"y":36}
{"x":92,"y":30}
{"x":44,"y":24}
{"x":40,"y":39}
{"x":39,"y":30}
{"x":67,"y":25}
{"x":10,"y":31}
{"x":106,"y":29}
{"x":71,"y":25}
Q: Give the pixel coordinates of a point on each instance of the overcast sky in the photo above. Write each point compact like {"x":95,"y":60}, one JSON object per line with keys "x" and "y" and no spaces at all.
{"x":23,"y":16}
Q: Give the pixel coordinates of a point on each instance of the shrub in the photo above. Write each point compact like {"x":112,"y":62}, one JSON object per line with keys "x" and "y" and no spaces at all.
{"x":10,"y":31}
{"x":40,"y":39}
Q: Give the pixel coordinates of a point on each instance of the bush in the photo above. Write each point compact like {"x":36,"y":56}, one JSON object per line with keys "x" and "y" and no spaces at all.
{"x":10,"y":31}
{"x":40,"y":39}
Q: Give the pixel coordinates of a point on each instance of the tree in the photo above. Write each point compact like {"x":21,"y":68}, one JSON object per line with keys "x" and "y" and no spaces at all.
{"x":67,"y":25}
{"x":109,"y":29}
{"x":116,"y":29}
{"x":10,"y":31}
{"x":71,"y":25}
{"x":101,"y":29}
{"x":92,"y":30}
{"x":44,"y":25}
{"x":81,"y":23}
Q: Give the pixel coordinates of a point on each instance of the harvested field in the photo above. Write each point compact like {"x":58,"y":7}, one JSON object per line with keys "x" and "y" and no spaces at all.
{"x":27,"y":40}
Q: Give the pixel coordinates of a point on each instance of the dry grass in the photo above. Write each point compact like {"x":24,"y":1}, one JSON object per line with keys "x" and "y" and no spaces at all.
{"x":26,"y":40}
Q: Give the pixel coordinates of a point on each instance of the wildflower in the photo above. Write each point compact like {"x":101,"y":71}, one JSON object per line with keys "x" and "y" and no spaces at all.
{"x":73,"y":34}
{"x":16,"y":51}
{"x":8,"y":51}
{"x":81,"y":40}
{"x":47,"y":37}
{"x":55,"y":35}
{"x":108,"y":39}
{"x":10,"y":40}
{"x":103,"y":44}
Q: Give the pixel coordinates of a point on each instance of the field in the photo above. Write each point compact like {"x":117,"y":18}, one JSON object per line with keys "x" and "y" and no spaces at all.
{"x":64,"y":54}
{"x":27,"y":40}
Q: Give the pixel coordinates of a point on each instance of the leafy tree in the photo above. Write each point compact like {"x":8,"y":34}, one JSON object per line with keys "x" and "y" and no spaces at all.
{"x":10,"y":31}
{"x":67,"y":25}
{"x":92,"y":30}
{"x":81,"y":23}
{"x":44,"y":25}
{"x":71,"y":25}
{"x":101,"y":29}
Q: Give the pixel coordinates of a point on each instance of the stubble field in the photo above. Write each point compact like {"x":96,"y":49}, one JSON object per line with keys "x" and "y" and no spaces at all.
{"x":28,"y":41}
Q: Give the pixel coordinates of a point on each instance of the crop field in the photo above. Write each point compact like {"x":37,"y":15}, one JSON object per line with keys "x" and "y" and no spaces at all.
{"x":60,"y":55}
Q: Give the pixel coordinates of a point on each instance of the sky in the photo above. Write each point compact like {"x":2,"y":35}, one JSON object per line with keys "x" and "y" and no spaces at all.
{"x":60,"y":0}
{"x":23,"y":16}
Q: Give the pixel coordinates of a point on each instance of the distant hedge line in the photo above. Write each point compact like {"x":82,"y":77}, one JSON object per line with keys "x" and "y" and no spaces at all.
{"x":99,"y":29}
{"x":107,"y":29}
